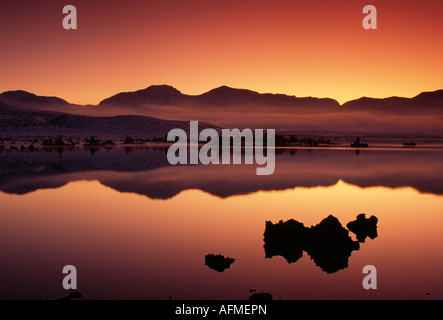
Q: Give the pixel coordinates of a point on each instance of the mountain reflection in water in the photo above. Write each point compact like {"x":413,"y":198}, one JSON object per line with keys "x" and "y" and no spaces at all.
{"x":146,"y":171}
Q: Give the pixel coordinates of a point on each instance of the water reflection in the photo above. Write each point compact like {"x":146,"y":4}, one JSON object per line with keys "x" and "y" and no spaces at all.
{"x":146,"y":171}
{"x":328,"y":243}
{"x":127,"y":246}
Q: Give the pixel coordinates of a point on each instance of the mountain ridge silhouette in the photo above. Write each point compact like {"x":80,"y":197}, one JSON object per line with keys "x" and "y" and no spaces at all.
{"x":234,"y":97}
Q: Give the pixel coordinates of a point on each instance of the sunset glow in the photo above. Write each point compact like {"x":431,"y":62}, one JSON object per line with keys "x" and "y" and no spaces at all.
{"x":235,"y":152}
{"x":122,"y":221}
{"x":292,"y":47}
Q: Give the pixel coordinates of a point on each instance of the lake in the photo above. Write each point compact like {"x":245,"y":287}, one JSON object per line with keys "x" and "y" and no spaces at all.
{"x":136,"y":227}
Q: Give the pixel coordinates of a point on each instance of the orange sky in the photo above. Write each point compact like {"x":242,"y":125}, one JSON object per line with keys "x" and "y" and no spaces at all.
{"x":297,"y":47}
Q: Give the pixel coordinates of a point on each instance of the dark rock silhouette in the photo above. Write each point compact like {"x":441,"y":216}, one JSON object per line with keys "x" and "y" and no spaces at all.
{"x":358,"y":144}
{"x":278,"y":236}
{"x":128,"y":140}
{"x":328,"y":243}
{"x":218,"y":262}
{"x":92,"y":142}
{"x":363,"y":227}
{"x":58,"y":142}
{"x":72,"y":295}
{"x":261,"y":296}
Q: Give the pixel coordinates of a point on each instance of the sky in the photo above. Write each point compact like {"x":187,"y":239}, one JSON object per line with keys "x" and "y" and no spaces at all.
{"x":296,"y":47}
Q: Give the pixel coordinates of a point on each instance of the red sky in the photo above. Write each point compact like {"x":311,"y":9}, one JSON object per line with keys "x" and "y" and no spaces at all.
{"x":296,"y":47}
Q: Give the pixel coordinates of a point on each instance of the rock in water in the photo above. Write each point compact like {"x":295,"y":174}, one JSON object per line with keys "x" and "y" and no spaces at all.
{"x":363,"y":227}
{"x":218,"y":262}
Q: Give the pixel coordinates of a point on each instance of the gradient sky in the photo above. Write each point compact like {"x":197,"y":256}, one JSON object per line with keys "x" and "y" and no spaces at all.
{"x":296,"y":47}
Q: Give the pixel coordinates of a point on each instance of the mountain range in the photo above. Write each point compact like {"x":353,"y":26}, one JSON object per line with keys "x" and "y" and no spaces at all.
{"x":224,"y":96}
{"x":219,"y":97}
{"x":231,"y":107}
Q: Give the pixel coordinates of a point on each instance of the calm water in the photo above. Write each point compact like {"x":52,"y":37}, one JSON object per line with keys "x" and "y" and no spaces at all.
{"x":137,"y":228}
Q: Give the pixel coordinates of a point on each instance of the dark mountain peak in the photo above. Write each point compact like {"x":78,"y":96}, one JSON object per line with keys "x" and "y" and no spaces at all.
{"x":422,"y":103}
{"x":363,"y":99}
{"x":430,"y":96}
{"x":161,"y":90}
{"x":228,"y":96}
{"x":225,"y":95}
{"x":229,"y":90}
{"x":22,"y":96}
{"x":373,"y":100}
{"x":155,"y":94}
